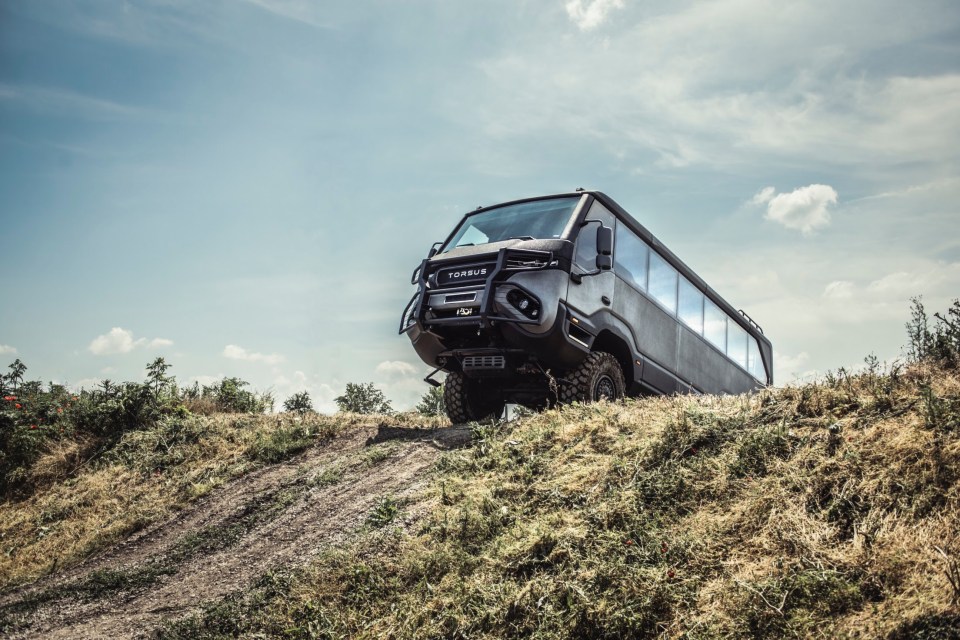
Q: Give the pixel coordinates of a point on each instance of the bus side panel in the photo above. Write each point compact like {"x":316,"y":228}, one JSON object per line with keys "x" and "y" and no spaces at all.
{"x":654,"y":334}
{"x":706,"y":369}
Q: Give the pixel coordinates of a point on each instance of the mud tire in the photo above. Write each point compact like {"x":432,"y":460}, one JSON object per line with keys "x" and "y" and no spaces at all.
{"x":598,"y":377}
{"x":469,"y":400}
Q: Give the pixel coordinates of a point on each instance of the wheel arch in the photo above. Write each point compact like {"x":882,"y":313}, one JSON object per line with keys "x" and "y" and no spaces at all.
{"x":616,"y":346}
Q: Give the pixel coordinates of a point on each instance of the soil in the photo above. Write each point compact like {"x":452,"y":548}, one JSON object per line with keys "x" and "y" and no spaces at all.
{"x":311,"y":517}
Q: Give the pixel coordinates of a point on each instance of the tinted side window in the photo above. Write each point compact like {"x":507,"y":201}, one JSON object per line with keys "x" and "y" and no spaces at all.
{"x":715,"y":325}
{"x":631,"y":257}
{"x":663,"y":282}
{"x":691,"y":306}
{"x":754,"y":361}
{"x":737,"y":343}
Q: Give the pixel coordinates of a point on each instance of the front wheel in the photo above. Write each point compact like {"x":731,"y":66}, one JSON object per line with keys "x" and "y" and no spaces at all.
{"x":469,"y":400}
{"x":599,"y":377}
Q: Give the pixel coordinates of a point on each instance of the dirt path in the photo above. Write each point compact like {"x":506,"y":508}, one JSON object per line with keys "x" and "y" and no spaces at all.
{"x":276,"y":517}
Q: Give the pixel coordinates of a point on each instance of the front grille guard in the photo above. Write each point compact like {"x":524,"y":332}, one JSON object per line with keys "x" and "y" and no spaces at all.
{"x":522,"y":260}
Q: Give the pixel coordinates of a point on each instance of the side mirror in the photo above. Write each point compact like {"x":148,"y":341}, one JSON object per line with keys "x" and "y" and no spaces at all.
{"x":604,"y":263}
{"x":604,"y":241}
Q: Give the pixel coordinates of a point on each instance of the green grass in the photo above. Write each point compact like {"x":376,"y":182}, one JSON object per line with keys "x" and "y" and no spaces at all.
{"x":808,"y":511}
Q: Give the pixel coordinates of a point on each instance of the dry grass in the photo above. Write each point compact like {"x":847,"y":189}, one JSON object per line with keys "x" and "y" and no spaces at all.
{"x":825,"y":510}
{"x":87,"y":501}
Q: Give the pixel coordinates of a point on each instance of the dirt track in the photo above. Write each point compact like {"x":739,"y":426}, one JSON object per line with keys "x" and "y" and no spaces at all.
{"x":278,"y":516}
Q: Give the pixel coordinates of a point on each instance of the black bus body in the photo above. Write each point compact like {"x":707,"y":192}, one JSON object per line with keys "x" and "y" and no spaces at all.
{"x":568,"y":298}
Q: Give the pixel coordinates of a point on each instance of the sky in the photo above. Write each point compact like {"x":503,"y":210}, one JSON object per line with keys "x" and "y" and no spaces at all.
{"x":243,"y":187}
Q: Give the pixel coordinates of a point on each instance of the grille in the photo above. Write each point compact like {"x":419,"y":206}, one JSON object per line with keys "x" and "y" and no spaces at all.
{"x":526,"y":263}
{"x":484,"y":362}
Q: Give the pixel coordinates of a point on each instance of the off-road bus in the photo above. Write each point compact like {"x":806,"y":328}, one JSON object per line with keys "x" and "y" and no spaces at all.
{"x":568,"y":298}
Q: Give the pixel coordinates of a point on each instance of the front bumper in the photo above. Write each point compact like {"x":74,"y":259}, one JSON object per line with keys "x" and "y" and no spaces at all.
{"x":479,"y":304}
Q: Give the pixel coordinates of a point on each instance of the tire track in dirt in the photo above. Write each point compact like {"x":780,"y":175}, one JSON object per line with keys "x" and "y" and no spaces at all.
{"x":318,"y":517}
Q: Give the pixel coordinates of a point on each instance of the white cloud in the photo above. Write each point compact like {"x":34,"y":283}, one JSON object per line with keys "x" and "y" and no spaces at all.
{"x":838,"y":289}
{"x":299,"y":10}
{"x":396,"y":369}
{"x":788,"y":367}
{"x":763,"y":196}
{"x":5,"y":348}
{"x":61,"y":101}
{"x":712,"y":83}
{"x":119,"y":340}
{"x":234,"y":352}
{"x":805,"y":209}
{"x":591,"y":14}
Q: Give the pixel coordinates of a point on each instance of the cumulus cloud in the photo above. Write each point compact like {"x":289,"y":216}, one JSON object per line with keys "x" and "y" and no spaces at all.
{"x":838,"y":289}
{"x":235,"y":352}
{"x":591,"y":14}
{"x":787,"y":367}
{"x":396,"y":369}
{"x":119,"y":340}
{"x":763,"y":196}
{"x":805,"y":209}
{"x":899,"y":283}
{"x":5,"y":348}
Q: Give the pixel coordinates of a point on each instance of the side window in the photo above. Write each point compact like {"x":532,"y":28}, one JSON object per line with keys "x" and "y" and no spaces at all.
{"x":755,"y":362}
{"x":663,"y":282}
{"x":715,"y":325}
{"x":631,"y":257}
{"x":690,"y":308}
{"x":737,"y":343}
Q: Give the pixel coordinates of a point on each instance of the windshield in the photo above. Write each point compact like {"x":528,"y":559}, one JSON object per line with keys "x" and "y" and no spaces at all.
{"x":541,"y":219}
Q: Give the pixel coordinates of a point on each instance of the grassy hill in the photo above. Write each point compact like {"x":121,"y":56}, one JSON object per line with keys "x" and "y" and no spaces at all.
{"x":825,"y":510}
{"x":828,"y":509}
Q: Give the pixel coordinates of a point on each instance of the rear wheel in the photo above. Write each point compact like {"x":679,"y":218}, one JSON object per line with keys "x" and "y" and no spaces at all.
{"x":468,"y":400}
{"x":599,"y":377}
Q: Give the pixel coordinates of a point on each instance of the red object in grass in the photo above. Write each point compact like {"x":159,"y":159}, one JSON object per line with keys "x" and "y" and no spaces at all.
{"x":629,"y":542}
{"x":19,"y":406}
{"x":59,"y":409}
{"x":33,"y":426}
{"x":663,"y":547}
{"x":671,"y":573}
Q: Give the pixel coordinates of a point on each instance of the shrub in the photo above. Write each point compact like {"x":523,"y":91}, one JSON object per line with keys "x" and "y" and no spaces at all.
{"x":226,"y":396}
{"x":298,"y":403}
{"x":363,"y":398}
{"x":941,"y":342}
{"x":432,"y":404}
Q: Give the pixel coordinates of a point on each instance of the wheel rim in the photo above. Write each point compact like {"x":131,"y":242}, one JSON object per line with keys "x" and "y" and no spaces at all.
{"x":605,"y":389}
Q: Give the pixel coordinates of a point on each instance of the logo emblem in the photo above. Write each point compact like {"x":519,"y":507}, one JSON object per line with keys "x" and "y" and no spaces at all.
{"x":465,"y":311}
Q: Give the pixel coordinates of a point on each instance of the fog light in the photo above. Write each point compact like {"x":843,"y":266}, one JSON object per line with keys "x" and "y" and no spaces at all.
{"x":527,"y":306}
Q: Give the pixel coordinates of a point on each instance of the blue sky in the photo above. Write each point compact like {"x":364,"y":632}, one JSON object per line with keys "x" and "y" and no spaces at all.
{"x":244,"y":187}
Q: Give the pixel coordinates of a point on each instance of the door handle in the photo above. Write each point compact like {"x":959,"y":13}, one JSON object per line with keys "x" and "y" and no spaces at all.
{"x":605,"y":300}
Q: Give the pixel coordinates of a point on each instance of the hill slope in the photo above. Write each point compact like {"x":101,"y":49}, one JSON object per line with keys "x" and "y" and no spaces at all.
{"x":825,"y":510}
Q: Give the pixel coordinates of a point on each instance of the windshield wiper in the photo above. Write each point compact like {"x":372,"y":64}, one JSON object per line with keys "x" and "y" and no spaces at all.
{"x":520,"y":238}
